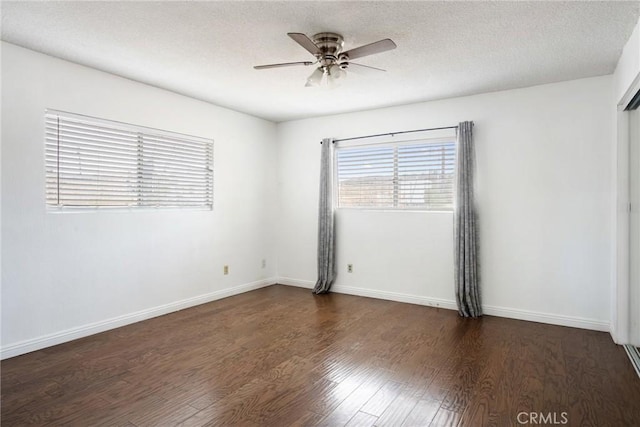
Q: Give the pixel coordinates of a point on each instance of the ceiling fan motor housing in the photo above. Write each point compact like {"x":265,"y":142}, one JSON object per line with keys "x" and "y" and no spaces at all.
{"x":330,"y":45}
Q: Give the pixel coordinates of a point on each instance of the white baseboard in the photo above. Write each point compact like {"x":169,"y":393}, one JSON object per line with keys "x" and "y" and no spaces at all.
{"x":298,"y":283}
{"x":552,"y":319}
{"x":371,"y":293}
{"x":49,"y":340}
{"x":614,"y":333}
{"x":511,"y":313}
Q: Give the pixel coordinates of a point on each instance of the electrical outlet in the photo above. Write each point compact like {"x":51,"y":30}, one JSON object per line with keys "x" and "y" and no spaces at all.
{"x":264,"y":263}
{"x":349,"y":268}
{"x":226,"y":269}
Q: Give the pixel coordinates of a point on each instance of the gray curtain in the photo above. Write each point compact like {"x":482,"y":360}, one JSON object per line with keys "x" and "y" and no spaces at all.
{"x":326,"y":238}
{"x":465,"y":229}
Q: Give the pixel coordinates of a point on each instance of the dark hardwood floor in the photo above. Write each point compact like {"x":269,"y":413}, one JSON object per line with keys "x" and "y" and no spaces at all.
{"x":280,"y":356}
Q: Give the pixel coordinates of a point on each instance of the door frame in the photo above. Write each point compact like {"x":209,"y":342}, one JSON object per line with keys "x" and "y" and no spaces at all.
{"x":621,"y":291}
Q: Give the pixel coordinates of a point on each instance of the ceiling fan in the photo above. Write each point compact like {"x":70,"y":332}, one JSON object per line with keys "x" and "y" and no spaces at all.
{"x":332,"y":62}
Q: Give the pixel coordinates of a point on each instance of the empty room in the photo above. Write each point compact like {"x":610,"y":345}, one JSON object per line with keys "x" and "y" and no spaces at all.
{"x":337,"y":213}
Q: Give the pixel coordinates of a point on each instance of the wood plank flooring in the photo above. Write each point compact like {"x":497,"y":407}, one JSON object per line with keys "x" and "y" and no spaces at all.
{"x":280,"y":356}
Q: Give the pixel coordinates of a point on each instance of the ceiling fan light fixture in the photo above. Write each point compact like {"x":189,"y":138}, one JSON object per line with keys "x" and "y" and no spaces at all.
{"x":335,"y":75}
{"x":315,"y":79}
{"x":337,"y":72}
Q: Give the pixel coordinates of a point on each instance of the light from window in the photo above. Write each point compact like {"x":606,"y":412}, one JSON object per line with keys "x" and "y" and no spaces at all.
{"x":95,"y":163}
{"x":411,"y":175}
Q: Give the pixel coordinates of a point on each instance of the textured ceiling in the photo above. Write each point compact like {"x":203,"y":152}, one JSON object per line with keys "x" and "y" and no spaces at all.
{"x":206,"y":50}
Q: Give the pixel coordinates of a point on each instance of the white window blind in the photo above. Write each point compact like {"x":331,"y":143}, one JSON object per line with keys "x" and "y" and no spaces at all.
{"x":403,"y":175}
{"x":95,"y":163}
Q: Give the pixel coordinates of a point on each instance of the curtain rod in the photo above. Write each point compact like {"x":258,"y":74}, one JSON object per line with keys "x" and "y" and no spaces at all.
{"x":392,"y":133}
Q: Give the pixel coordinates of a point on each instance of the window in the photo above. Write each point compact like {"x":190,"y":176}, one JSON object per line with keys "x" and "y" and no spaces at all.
{"x":401,"y":175}
{"x":94,"y":163}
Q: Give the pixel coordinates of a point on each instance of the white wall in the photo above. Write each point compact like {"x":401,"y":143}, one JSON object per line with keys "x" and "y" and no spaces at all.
{"x":544,"y":170}
{"x":68,"y":275}
{"x":545,"y":182}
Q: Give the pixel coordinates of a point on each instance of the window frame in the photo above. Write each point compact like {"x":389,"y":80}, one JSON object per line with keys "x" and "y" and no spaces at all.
{"x":143,"y":132}
{"x":391,"y":141}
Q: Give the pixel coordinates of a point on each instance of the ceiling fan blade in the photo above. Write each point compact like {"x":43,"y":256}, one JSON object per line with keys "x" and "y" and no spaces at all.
{"x":370,"y":49}
{"x":363,"y":69}
{"x":284,"y":64}
{"x":305,"y":42}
